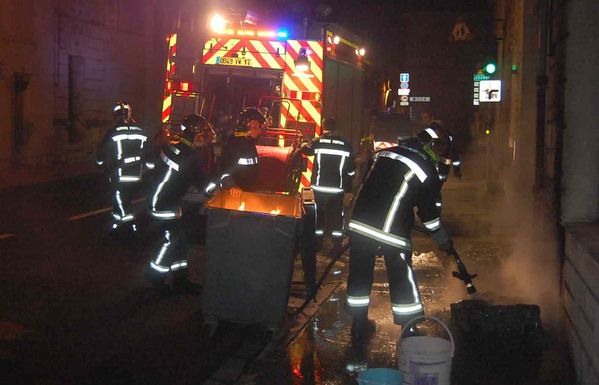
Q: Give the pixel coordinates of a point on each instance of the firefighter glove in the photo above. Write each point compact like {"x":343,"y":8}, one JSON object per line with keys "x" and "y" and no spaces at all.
{"x":443,"y":240}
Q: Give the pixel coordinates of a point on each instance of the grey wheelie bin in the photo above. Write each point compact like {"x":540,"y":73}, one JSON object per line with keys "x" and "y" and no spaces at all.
{"x":251,"y":242}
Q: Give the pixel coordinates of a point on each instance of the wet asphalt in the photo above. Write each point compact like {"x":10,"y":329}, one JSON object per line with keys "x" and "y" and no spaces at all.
{"x":76,"y":309}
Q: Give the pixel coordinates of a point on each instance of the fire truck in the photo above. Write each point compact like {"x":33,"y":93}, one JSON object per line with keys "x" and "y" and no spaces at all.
{"x":295,"y":81}
{"x":251,"y":239}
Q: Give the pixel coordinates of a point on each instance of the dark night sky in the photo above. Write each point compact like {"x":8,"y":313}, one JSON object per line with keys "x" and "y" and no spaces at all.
{"x":381,"y":22}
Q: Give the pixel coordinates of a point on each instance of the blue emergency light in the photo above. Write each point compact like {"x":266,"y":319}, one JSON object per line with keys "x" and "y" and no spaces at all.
{"x":282,"y":34}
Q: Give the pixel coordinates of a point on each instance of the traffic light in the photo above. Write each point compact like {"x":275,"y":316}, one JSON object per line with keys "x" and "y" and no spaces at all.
{"x":490,"y":68}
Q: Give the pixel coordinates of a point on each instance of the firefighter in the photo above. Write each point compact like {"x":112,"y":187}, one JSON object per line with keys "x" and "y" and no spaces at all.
{"x":450,"y":158}
{"x":120,"y":156}
{"x":331,"y":178}
{"x":402,"y":178}
{"x":239,"y":154}
{"x":180,"y":167}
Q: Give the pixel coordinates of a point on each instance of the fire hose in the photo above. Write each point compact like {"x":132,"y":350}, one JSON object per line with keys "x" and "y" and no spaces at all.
{"x":462,"y":274}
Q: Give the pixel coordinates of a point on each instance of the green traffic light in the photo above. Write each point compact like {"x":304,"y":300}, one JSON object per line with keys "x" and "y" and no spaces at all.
{"x":490,"y":68}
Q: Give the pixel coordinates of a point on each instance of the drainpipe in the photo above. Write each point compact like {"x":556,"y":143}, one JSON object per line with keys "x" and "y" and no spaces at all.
{"x":21,"y":81}
{"x":541,"y":95}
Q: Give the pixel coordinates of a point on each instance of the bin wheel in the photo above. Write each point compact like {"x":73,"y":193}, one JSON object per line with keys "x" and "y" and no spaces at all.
{"x":270,"y":337}
{"x":210,"y":326}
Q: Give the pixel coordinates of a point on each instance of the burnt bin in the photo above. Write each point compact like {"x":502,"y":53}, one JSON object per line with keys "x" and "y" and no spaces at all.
{"x":495,"y":342}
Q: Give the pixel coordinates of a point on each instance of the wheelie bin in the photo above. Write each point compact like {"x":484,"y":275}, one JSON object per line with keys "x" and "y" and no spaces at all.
{"x":251,"y":243}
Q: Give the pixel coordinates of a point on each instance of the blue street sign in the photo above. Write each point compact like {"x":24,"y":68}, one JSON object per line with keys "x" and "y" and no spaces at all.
{"x":404,"y":77}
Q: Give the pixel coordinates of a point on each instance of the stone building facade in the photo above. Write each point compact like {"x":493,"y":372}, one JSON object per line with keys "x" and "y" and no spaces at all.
{"x":63,"y":65}
{"x":548,"y":146}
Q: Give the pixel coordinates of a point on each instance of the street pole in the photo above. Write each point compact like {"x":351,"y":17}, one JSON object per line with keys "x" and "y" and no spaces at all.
{"x":488,"y":145}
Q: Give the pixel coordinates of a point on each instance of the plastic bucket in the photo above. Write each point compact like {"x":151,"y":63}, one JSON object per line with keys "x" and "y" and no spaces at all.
{"x":424,"y":360}
{"x":380,"y":376}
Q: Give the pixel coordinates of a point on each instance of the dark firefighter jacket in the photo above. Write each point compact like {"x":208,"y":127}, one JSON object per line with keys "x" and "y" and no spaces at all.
{"x":120,"y":153}
{"x":333,"y":164}
{"x":240,"y":161}
{"x":181,"y":167}
{"x":451,"y":159}
{"x":401,"y":178}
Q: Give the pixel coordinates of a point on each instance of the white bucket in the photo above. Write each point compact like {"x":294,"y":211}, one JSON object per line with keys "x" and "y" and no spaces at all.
{"x":424,"y":360}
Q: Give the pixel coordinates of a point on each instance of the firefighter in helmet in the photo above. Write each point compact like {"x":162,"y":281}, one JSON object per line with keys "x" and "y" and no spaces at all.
{"x":180,"y":167}
{"x":120,"y":155}
{"x":402,"y":178}
{"x":331,"y":178}
{"x":448,"y":155}
{"x":239,"y":154}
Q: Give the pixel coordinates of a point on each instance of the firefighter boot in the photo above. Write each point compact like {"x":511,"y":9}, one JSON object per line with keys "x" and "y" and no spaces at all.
{"x":362,"y":328}
{"x":157,"y":281}
{"x":182,"y":284}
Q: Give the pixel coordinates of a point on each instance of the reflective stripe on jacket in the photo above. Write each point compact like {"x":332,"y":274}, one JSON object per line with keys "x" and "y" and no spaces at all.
{"x":121,"y":153}
{"x":333,"y":164}
{"x":400,"y":179}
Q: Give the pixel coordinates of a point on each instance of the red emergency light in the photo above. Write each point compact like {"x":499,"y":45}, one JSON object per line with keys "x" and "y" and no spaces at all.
{"x":183,"y":87}
{"x":305,"y":95}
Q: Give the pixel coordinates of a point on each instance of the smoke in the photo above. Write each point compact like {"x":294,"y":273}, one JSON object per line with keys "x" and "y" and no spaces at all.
{"x":529,"y":269}
{"x":514,"y":248}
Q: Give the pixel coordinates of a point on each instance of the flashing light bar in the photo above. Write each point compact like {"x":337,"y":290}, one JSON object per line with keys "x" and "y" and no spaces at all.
{"x":220,"y":25}
{"x":262,"y":33}
{"x":267,"y":33}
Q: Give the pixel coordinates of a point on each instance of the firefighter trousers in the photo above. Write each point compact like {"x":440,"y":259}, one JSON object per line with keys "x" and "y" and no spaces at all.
{"x":403,"y":288}
{"x":171,"y":255}
{"x":329,"y":214}
{"x":122,"y":214}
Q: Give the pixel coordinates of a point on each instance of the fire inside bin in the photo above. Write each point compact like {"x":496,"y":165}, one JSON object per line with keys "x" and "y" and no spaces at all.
{"x":251,"y":242}
{"x":260,"y":203}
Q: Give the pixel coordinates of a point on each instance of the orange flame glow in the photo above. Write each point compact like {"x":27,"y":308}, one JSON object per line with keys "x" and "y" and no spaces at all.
{"x":241,"y":206}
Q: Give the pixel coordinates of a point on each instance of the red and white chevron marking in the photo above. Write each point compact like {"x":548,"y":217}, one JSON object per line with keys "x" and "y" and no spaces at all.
{"x":304,"y":87}
{"x":250,"y":52}
{"x":308,"y":82}
{"x":167,"y":101}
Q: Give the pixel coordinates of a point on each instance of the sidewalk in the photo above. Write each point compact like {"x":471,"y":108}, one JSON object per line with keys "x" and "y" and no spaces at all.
{"x":323,"y":352}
